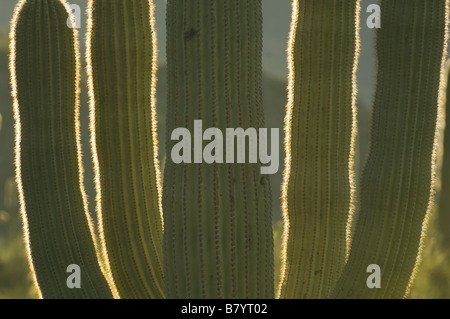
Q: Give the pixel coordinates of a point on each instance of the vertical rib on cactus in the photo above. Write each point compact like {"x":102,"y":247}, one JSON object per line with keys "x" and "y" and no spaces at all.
{"x":45,"y":74}
{"x":217,"y":217}
{"x":121,"y":57}
{"x":320,"y":136}
{"x":397,"y":182}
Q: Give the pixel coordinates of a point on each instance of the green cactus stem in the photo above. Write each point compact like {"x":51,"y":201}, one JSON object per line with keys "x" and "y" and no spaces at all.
{"x":398,"y":179}
{"x":121,"y":59}
{"x":318,"y":188}
{"x":45,"y":75}
{"x":217,"y":217}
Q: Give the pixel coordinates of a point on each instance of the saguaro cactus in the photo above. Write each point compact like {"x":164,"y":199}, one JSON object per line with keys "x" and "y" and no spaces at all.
{"x":217,"y":217}
{"x":121,"y":58}
{"x":397,"y":182}
{"x":320,"y":136}
{"x":45,"y":74}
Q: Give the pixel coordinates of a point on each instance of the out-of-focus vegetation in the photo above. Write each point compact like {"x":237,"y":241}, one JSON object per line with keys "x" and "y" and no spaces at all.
{"x":433,"y":278}
{"x":15,"y":277}
{"x":277,"y":241}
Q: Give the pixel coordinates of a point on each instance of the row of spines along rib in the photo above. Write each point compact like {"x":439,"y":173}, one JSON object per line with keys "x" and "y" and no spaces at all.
{"x":45,"y":75}
{"x":318,"y":189}
{"x":397,"y":181}
{"x":218,"y":233}
{"x":121,"y":58}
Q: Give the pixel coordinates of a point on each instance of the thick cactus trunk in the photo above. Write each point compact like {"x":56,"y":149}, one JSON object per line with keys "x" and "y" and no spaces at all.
{"x":218,"y":231}
{"x":45,"y":74}
{"x":320,"y":137}
{"x":397,"y":182}
{"x":121,"y":57}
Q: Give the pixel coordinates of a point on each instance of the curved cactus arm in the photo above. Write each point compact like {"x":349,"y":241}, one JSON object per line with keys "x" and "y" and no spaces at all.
{"x":121,"y":59}
{"x":45,"y":75}
{"x":398,"y":179}
{"x":320,"y":127}
{"x":217,"y":217}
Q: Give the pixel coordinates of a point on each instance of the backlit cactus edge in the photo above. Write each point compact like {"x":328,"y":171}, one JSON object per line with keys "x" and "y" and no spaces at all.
{"x":206,"y":232}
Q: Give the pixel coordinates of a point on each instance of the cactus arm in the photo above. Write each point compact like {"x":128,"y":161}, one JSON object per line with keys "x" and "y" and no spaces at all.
{"x":45,"y":75}
{"x":121,"y":59}
{"x":398,"y":179}
{"x":218,"y":234}
{"x":443,"y":207}
{"x":320,"y":127}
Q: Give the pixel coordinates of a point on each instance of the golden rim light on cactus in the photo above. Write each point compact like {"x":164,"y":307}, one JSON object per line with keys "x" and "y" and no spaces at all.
{"x":397,"y":184}
{"x":125,"y":33}
{"x":83,"y":241}
{"x":315,"y":123}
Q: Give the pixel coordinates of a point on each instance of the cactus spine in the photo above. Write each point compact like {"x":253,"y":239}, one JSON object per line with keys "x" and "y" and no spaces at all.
{"x":45,"y":74}
{"x":320,"y":137}
{"x":121,"y":58}
{"x":217,"y":217}
{"x":398,"y":178}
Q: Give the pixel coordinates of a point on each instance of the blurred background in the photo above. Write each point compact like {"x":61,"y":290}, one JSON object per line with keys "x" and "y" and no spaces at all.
{"x":15,"y":280}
